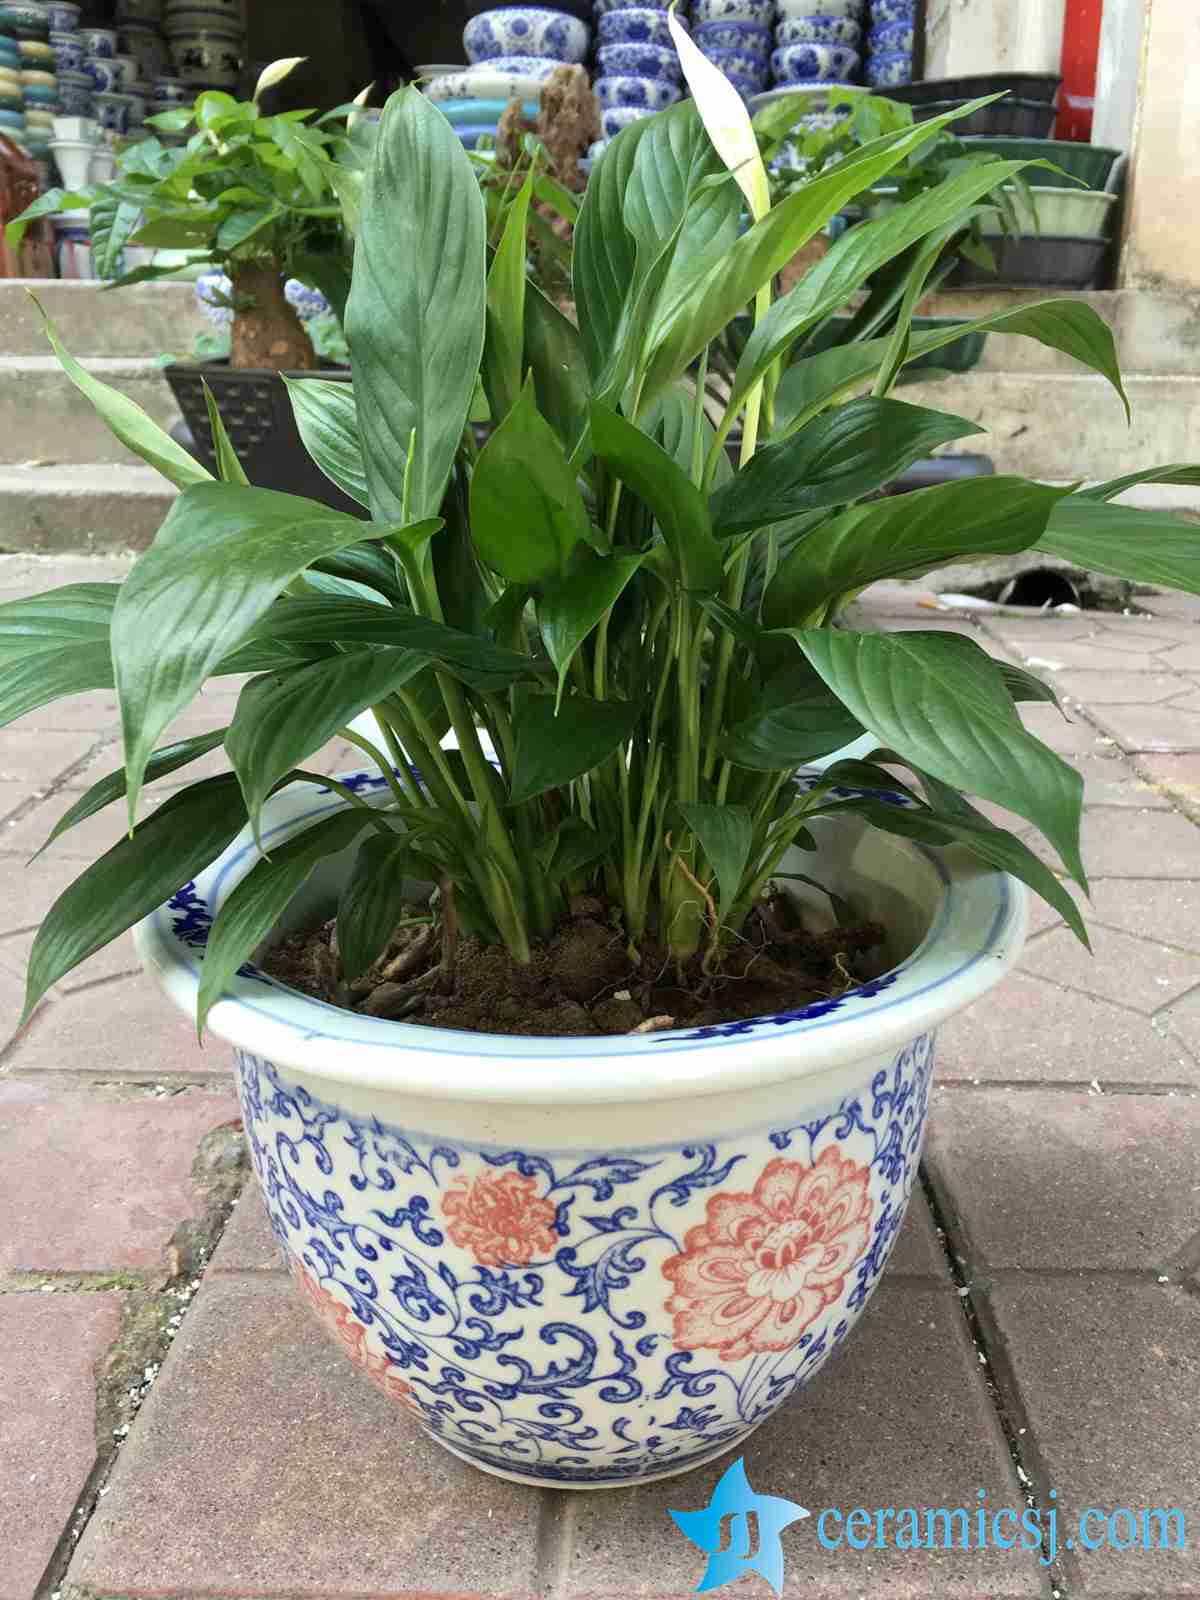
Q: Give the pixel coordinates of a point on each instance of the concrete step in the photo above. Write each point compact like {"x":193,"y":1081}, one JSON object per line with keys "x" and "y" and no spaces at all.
{"x":45,"y":419}
{"x":95,"y":510}
{"x":147,"y":319}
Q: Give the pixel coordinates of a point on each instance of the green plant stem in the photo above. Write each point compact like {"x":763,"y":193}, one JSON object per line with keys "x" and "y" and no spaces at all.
{"x":381,"y":761}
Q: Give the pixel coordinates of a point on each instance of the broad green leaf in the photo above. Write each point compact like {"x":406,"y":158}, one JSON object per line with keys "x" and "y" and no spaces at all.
{"x":327,"y":416}
{"x":134,"y":878}
{"x":1125,"y":542}
{"x":939,"y":701}
{"x":794,"y":718}
{"x":78,"y":613}
{"x":726,"y":834}
{"x":845,"y":453}
{"x":572,"y":847}
{"x":32,"y":679}
{"x":553,"y":749}
{"x":369,"y":908}
{"x":111,"y":223}
{"x":415,"y":318}
{"x":860,"y":253}
{"x":504,"y":348}
{"x":1024,"y":685}
{"x":367,"y":563}
{"x":683,"y":327}
{"x":112,"y":786}
{"x":679,"y":507}
{"x":127,"y":421}
{"x":670,"y":418}
{"x":283,"y":717}
{"x":569,"y":608}
{"x":220,"y":558}
{"x":554,"y":355}
{"x":527,"y":512}
{"x":229,"y":468}
{"x":47,"y":205}
{"x":905,"y":536}
{"x":1070,"y":326}
{"x":255,"y":905}
{"x":1180,"y":472}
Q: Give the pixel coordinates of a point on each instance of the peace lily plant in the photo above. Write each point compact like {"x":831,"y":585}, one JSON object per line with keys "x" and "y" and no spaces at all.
{"x":652,"y":639}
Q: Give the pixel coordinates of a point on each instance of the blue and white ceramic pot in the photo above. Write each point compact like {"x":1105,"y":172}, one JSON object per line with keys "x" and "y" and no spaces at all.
{"x":742,"y":71}
{"x":889,"y":69}
{"x":601,"y":8}
{"x":63,"y":16}
{"x":595,"y":1261}
{"x":526,"y":31}
{"x":891,"y":38}
{"x":653,"y":94}
{"x":760,"y":12}
{"x":746,"y":38}
{"x":818,"y":30}
{"x":639,"y":61}
{"x":104,"y":74}
{"x":892,"y":11}
{"x":800,"y":63}
{"x":68,"y":52}
{"x":635,"y":25}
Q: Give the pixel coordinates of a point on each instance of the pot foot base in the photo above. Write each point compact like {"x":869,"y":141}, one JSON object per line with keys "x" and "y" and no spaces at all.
{"x":537,"y":1481}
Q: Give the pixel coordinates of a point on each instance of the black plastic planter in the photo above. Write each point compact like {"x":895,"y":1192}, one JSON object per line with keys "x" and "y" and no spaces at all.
{"x":1091,"y":164}
{"x":1022,"y":119}
{"x":1045,"y":261}
{"x":1025,"y":85}
{"x":258,"y":417}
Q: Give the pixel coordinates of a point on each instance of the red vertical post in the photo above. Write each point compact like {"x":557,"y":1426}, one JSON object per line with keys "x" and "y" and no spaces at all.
{"x":1080,"y":53}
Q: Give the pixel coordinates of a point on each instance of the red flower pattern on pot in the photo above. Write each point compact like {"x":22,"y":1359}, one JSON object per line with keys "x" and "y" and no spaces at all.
{"x":500,"y":1218}
{"x":338,"y":1320}
{"x":762,"y":1266}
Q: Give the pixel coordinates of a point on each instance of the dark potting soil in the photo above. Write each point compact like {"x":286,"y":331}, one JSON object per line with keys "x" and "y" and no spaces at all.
{"x":583,"y":980}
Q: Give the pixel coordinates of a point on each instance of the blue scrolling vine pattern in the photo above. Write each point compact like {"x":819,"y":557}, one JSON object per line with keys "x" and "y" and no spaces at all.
{"x":569,"y":1319}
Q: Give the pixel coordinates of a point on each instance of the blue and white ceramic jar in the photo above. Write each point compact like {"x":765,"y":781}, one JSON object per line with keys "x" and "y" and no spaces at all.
{"x":639,"y":61}
{"x":104,"y":74}
{"x":527,"y":31}
{"x":99,"y":43}
{"x":891,"y":38}
{"x":595,"y":1261}
{"x":601,"y":8}
{"x":614,"y":118}
{"x":746,"y":73}
{"x":68,"y":50}
{"x":892,"y":11}
{"x":635,"y":25}
{"x":742,"y":38}
{"x":818,"y":30}
{"x":62,"y":16}
{"x":760,"y":12}
{"x":75,"y":94}
{"x":802,"y":63}
{"x":652,"y":94}
{"x":889,"y":71}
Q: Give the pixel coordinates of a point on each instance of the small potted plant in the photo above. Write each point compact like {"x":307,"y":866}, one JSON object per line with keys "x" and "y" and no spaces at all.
{"x":257,"y":197}
{"x":584,"y":1058}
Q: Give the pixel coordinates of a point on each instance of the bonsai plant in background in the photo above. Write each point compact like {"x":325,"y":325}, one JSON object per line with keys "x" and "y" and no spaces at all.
{"x":258,"y":198}
{"x":589,"y":1105}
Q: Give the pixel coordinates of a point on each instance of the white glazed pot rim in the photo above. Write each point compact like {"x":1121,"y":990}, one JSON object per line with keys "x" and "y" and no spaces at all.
{"x":975,"y":936}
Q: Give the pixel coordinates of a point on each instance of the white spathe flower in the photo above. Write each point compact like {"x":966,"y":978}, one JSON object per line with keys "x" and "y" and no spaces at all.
{"x":276,"y":73}
{"x":725,"y":118}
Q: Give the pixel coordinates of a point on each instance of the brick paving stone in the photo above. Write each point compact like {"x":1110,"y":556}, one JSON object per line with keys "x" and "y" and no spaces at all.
{"x":121,"y":1030}
{"x":1183,"y":1018}
{"x":263,"y":1464}
{"x":50,"y":1346}
{"x":1177,"y":775}
{"x":1090,"y":655}
{"x":1162,"y":908}
{"x":1133,"y":844}
{"x":1153,"y":729}
{"x":95,"y":712}
{"x":1184,"y":658}
{"x":1070,"y":735}
{"x":1141,"y":973}
{"x":82,"y":843}
{"x":1058,"y":1180}
{"x":1116,"y":688}
{"x":865,"y":1434}
{"x":117,"y":960}
{"x":1027,"y":1031}
{"x":33,"y":758}
{"x":1109,"y":1375}
{"x":1108,"y":780}
{"x":248,"y":1245}
{"x":27,"y":891}
{"x":97,"y":1183}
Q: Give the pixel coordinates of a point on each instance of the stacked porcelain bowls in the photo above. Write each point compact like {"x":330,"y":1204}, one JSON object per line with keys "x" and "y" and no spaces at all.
{"x":12,"y":90}
{"x":817,"y":41}
{"x":512,"y":51}
{"x":207,"y":39}
{"x":736,"y":35}
{"x":889,"y":60}
{"x":638,"y":70}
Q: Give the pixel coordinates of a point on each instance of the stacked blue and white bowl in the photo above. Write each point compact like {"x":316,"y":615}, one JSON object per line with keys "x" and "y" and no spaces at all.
{"x":737,"y":35}
{"x":817,"y":42}
{"x":889,"y":59}
{"x":512,"y":51}
{"x":638,"y":70}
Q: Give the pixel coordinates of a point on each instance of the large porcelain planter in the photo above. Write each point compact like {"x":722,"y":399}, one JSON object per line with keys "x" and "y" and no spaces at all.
{"x":597,"y":1261}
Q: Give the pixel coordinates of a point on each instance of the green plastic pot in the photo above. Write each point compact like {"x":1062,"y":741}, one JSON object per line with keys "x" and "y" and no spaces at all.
{"x":1064,"y":213}
{"x":1089,"y":163}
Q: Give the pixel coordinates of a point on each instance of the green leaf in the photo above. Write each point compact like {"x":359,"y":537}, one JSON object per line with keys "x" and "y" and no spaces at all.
{"x":554,"y":355}
{"x":47,"y":205}
{"x":726,"y":834}
{"x":229,"y":468}
{"x":111,"y":222}
{"x":679,"y":507}
{"x":684,"y":326}
{"x":327,"y":416}
{"x":255,"y":905}
{"x":283,"y":717}
{"x":1180,"y":472}
{"x":131,"y":880}
{"x":939,"y":701}
{"x":111,"y":787}
{"x":845,"y":453}
{"x":553,"y":749}
{"x":671,"y":419}
{"x":220,"y":558}
{"x":905,"y":536}
{"x":572,"y":847}
{"x":126,"y":420}
{"x":605,"y":258}
{"x":415,"y":318}
{"x":367,"y":563}
{"x":794,"y":718}
{"x":369,"y":908}
{"x":504,"y":349}
{"x":570,"y":607}
{"x":1125,"y":542}
{"x":527,"y":514}
{"x":1069,"y":326}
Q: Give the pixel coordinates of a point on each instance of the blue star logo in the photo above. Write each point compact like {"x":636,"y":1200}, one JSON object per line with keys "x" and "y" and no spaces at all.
{"x":738,"y":1530}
